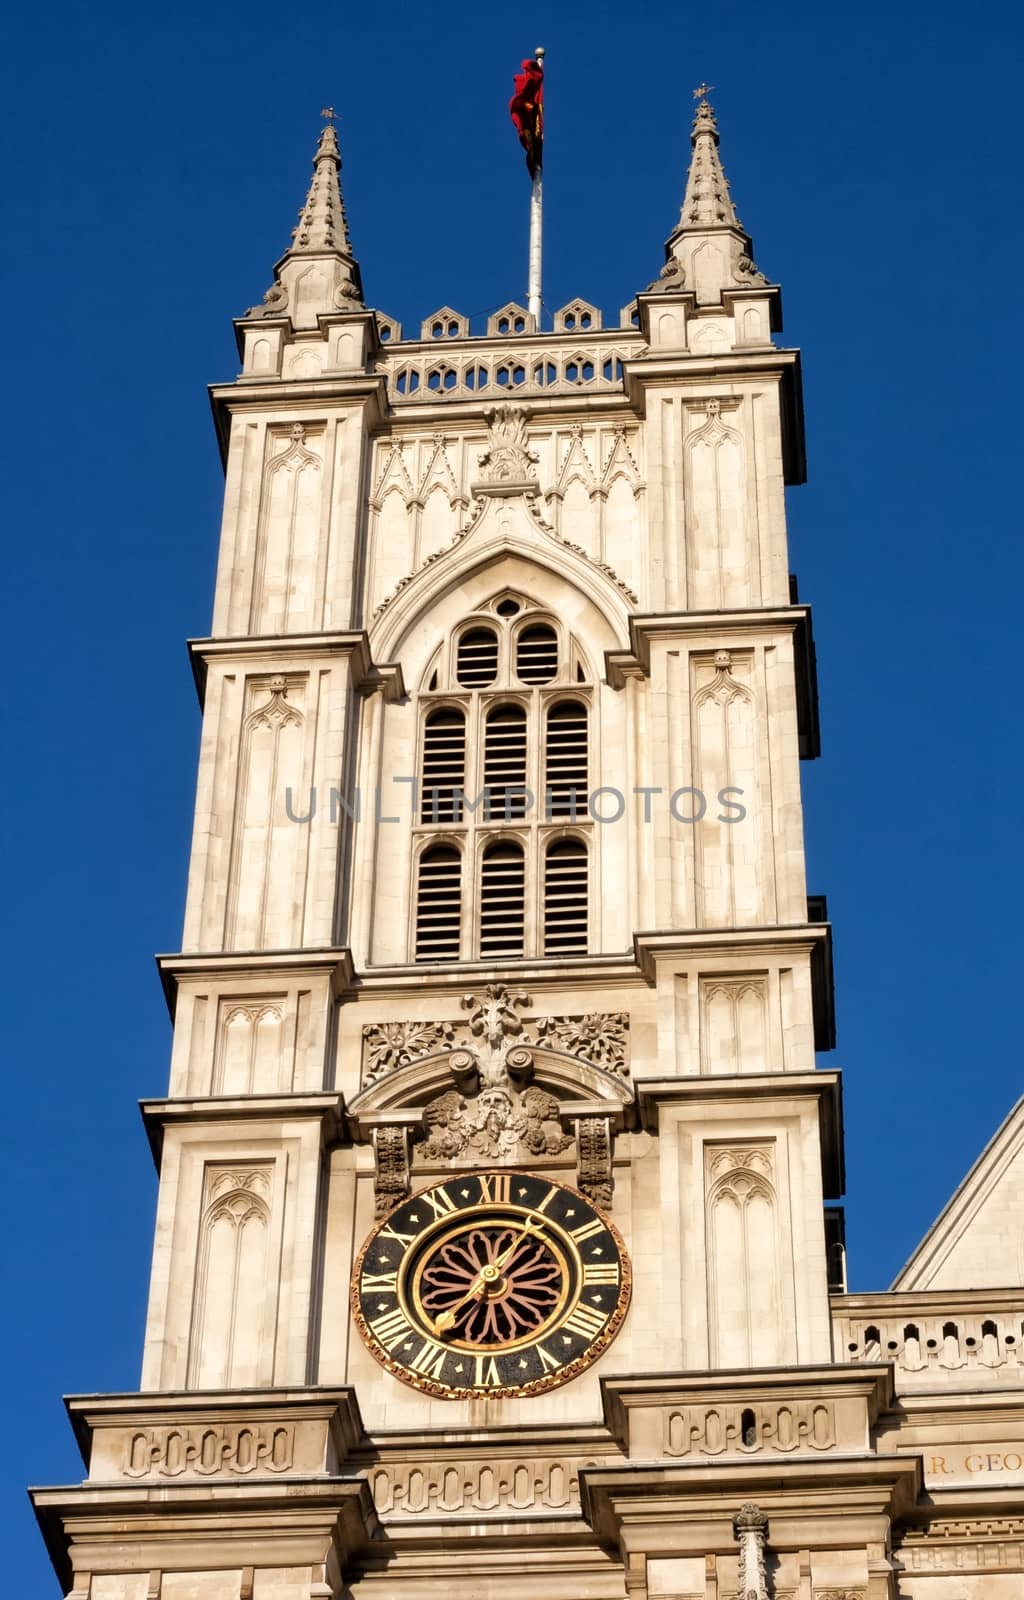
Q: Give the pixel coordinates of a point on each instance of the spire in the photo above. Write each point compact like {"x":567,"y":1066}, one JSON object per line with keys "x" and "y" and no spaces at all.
{"x":299,"y":290}
{"x":707,"y":201}
{"x":708,"y":253}
{"x":322,"y":225}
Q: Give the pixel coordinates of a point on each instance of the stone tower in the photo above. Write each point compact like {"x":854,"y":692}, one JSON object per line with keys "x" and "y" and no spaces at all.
{"x":492,"y":1239}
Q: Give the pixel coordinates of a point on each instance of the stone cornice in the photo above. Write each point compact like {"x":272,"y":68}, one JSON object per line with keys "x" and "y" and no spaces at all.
{"x":307,"y":396}
{"x":157,"y":1115}
{"x":645,"y":628}
{"x":88,"y":1412}
{"x":678,"y":367}
{"x":173,"y":969}
{"x":280,"y":648}
{"x":749,"y":1088}
{"x":813,"y":937}
{"x":689,"y":1509}
{"x":259,"y":1523}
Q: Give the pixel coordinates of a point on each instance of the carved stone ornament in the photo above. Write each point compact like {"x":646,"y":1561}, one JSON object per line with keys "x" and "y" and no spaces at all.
{"x":391,"y":1168}
{"x":750,"y":1529}
{"x":670,"y":279}
{"x":594,"y":1159}
{"x":508,"y":457}
{"x":500,"y":1123}
{"x":387,"y":1045}
{"x":492,"y":1027}
{"x":275,"y":304}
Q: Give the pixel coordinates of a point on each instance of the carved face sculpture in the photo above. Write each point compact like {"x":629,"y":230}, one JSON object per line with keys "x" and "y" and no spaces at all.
{"x":495,"y":1283}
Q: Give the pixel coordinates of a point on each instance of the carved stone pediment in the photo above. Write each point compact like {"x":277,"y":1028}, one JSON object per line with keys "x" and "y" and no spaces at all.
{"x":408,"y":1063}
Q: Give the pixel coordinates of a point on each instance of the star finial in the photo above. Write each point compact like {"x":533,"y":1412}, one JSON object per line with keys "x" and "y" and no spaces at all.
{"x":702,"y":91}
{"x":328,"y":113}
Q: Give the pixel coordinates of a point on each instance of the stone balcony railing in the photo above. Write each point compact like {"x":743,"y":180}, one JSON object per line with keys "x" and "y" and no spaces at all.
{"x":935,"y":1339}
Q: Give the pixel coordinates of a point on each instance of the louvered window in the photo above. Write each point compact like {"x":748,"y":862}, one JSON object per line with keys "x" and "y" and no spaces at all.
{"x":505,"y":762}
{"x":565,"y":898}
{"x":444,"y":765}
{"x":537,"y":653}
{"x":502,"y":893}
{"x":477,"y":658}
{"x":438,"y":904}
{"x":565,"y":760}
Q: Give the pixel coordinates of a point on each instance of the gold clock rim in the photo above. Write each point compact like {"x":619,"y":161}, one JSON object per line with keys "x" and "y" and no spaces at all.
{"x":551,"y":1380}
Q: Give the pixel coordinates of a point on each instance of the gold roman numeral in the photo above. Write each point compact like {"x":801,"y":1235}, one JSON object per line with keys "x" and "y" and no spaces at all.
{"x":390,"y":1329}
{"x":439,"y":1201}
{"x":495,"y":1187}
{"x":548,"y":1362}
{"x":599,"y":1272}
{"x":380,"y":1282}
{"x":429,"y":1359}
{"x":585,"y":1321}
{"x":392,"y":1233}
{"x":487,"y":1374}
{"x":588,"y":1230}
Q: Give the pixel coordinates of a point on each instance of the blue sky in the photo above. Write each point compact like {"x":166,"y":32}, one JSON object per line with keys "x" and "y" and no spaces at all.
{"x":155,"y":163}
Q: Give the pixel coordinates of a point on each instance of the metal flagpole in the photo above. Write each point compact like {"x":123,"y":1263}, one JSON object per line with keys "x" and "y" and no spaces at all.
{"x":533,"y":302}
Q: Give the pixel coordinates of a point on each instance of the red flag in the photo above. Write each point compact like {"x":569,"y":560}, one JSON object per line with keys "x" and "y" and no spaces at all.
{"x":526,"y":109}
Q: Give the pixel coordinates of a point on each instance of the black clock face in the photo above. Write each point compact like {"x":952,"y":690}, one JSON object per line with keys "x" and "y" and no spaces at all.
{"x":496,"y":1283}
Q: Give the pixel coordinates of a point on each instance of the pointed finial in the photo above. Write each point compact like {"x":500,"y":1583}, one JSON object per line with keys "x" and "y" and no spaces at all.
{"x":707,"y":190}
{"x":322,"y":231}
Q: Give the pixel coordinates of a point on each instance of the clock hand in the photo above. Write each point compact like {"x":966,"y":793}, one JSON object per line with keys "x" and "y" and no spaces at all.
{"x":485,"y":1276}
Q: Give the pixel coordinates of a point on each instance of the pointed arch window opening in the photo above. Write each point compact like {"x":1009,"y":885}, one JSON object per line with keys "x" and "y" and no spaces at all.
{"x":504,"y":751}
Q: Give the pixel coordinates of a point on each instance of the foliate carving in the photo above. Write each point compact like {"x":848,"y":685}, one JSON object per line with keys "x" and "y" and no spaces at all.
{"x":602,"y":1038}
{"x":594,"y":1159}
{"x":391,"y":1168}
{"x":495,"y":1027}
{"x":508,"y":457}
{"x":748,"y":1430}
{"x":500,"y":1123}
{"x":745,"y":270}
{"x":387,"y":1045}
{"x":840,"y":1594}
{"x":209,"y":1452}
{"x":750,"y":1530}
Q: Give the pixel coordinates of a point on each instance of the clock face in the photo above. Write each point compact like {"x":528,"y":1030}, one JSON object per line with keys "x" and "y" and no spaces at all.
{"x":495,"y":1283}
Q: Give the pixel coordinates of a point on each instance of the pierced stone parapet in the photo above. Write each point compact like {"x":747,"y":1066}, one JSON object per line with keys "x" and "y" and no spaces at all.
{"x":478,"y":369}
{"x":957,"y":1339}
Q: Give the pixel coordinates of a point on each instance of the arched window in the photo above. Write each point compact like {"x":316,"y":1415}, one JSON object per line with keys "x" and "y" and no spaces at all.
{"x":502,"y":897}
{"x":504,"y":731}
{"x":565,"y":898}
{"x":444,"y":765}
{"x":565,"y":760}
{"x":537,"y":653}
{"x":505,"y":762}
{"x":477,"y":658}
{"x":439,"y":904}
